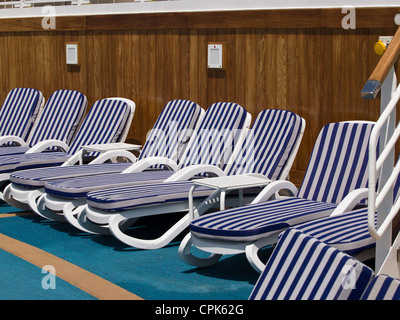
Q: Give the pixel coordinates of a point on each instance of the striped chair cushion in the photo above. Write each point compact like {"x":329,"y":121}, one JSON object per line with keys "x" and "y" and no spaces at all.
{"x":268,"y":144}
{"x":338,"y":163}
{"x":60,"y":117}
{"x":74,"y":188}
{"x":103,"y":124}
{"x":382,"y":287}
{"x":303,"y":268}
{"x":19,"y":111}
{"x":36,"y":178}
{"x":119,"y":199}
{"x":255,"y":221}
{"x":218,"y":133}
{"x":172,"y":130}
{"x":347,"y":232}
{"x":12,"y":162}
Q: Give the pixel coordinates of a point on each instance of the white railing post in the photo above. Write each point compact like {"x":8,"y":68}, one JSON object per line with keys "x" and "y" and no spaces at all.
{"x":383,"y":244}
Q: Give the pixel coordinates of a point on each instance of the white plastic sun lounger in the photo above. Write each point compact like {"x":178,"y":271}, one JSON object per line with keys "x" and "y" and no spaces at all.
{"x":336,"y":171}
{"x":267,"y":150}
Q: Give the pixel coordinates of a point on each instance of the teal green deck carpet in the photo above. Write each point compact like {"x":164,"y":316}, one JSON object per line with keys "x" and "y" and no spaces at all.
{"x":150,"y":274}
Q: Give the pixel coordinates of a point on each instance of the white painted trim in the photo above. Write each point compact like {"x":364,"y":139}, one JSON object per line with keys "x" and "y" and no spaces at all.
{"x":191,"y":6}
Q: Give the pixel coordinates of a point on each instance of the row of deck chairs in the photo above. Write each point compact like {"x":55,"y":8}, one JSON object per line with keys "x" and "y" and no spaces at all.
{"x":187,"y":143}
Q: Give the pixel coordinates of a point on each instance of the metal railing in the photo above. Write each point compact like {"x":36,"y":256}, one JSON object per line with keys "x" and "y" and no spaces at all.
{"x":378,"y":195}
{"x":383,"y":171}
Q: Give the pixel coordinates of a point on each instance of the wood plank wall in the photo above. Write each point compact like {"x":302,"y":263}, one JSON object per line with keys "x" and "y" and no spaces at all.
{"x":300,"y":60}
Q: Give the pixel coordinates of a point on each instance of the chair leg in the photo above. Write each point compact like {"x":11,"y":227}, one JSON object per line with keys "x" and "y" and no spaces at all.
{"x":117,"y":221}
{"x":187,"y":256}
{"x":37,"y":203}
{"x":84,"y":224}
{"x":71,"y":213}
{"x":252,"y":253}
{"x":11,"y":201}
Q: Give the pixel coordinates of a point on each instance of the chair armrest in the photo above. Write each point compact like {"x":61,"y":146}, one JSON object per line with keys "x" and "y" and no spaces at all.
{"x":192,"y":171}
{"x":109,"y":155}
{"x":146,"y":163}
{"x":350,"y":201}
{"x":43,"y":145}
{"x":274,"y":187}
{"x":17,"y":140}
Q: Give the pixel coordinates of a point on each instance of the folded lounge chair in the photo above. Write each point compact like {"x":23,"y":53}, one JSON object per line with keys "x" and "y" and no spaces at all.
{"x":268,"y":150}
{"x":304,"y":268}
{"x":167,"y":140}
{"x":336,"y":170}
{"x":107,"y":121}
{"x":18,"y":114}
{"x":59,"y":120}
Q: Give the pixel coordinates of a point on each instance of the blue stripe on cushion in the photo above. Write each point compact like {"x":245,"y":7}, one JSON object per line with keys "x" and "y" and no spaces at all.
{"x":338,"y":163}
{"x":74,"y":188}
{"x":19,"y":111}
{"x":303,"y":268}
{"x":382,"y":287}
{"x":268,"y":144}
{"x":258,"y":220}
{"x":60,"y":117}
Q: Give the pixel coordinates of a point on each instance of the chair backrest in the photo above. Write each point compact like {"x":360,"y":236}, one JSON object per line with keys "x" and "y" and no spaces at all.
{"x":104,"y":123}
{"x":268,"y":144}
{"x":338,"y":163}
{"x":60,"y":117}
{"x":221,"y":128}
{"x":304,"y":268}
{"x":19,"y":111}
{"x":172,"y":130}
{"x":382,"y":287}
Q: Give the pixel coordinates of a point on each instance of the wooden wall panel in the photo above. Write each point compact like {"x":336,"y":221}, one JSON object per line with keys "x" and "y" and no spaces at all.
{"x":315,"y":72}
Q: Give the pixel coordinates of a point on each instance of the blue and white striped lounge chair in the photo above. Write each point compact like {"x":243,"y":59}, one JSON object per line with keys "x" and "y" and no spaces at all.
{"x":18,"y":114}
{"x":347,"y":230}
{"x":304,"y":268}
{"x":267,"y":150}
{"x":336,"y":170}
{"x":59,"y":120}
{"x":167,"y":141}
{"x":107,"y":121}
